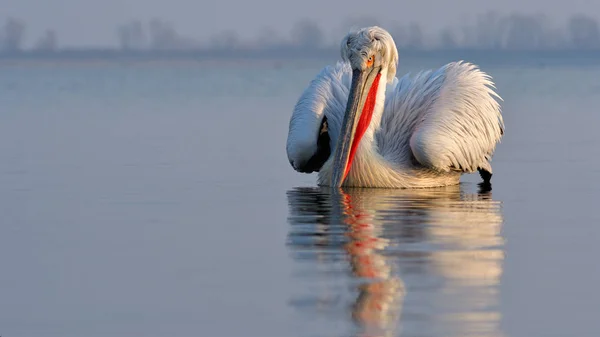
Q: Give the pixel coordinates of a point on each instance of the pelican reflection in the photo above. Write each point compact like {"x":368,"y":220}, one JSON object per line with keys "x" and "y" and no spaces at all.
{"x":416,"y":262}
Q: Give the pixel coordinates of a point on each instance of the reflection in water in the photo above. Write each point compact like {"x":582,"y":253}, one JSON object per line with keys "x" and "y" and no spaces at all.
{"x":428,"y":261}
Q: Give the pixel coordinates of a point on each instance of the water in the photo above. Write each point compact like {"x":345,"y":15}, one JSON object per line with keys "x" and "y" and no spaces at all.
{"x":155,"y":200}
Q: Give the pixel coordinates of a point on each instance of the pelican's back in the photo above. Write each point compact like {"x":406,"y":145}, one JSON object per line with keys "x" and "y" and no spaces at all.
{"x":447,"y":119}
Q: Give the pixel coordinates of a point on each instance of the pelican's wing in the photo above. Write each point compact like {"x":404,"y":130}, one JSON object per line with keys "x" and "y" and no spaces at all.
{"x":317,"y":117}
{"x":448,"y":119}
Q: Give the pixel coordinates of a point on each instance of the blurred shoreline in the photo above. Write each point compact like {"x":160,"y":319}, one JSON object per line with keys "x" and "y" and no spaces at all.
{"x":500,"y":37}
{"x":285,"y":56}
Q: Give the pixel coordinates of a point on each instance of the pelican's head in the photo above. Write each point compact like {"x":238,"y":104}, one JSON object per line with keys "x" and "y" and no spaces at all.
{"x":372,"y":55}
{"x":370,"y":47}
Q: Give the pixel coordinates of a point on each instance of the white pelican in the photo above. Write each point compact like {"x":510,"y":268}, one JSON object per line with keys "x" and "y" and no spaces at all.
{"x":397,"y":133}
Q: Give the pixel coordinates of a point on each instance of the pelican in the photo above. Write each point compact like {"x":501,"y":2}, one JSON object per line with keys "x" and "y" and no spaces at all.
{"x":412,"y":132}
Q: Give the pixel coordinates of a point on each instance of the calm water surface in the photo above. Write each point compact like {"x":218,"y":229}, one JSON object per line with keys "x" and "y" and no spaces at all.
{"x":158,"y":201}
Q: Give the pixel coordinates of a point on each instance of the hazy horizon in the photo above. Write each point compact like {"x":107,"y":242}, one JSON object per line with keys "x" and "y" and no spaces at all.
{"x":80,"y":23}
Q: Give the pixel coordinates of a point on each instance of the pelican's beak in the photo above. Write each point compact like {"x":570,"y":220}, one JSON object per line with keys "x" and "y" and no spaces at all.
{"x":361,"y":102}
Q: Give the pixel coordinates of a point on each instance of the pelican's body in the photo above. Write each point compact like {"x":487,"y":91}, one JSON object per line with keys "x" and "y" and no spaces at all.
{"x":358,"y":125}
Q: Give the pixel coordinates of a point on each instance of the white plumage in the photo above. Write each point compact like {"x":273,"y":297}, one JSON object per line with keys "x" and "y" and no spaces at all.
{"x":425,"y":130}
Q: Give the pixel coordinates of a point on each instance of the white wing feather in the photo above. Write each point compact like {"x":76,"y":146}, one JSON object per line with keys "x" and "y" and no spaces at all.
{"x":326,"y":95}
{"x":447,"y":119}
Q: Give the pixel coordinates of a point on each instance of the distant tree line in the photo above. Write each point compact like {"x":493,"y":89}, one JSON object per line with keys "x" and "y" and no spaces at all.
{"x":156,"y":35}
{"x":12,"y":38}
{"x":524,"y":32}
{"x":490,"y":31}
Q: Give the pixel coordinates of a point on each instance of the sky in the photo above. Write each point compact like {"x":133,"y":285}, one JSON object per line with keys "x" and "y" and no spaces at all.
{"x":93,"y":22}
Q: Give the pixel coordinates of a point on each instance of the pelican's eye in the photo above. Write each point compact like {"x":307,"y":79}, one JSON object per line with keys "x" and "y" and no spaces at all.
{"x":370,"y":61}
